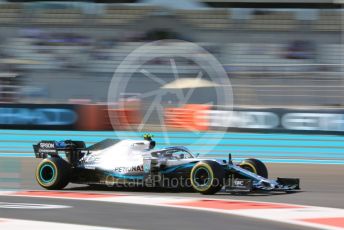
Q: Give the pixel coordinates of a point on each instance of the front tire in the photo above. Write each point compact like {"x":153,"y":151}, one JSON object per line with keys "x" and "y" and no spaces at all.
{"x":207,"y":177}
{"x":255,"y":166}
{"x":53,"y":173}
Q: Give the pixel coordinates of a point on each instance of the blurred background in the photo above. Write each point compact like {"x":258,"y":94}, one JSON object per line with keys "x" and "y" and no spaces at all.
{"x":284,"y":59}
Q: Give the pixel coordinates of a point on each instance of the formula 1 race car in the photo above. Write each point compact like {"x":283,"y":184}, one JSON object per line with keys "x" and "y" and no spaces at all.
{"x":122,"y":162}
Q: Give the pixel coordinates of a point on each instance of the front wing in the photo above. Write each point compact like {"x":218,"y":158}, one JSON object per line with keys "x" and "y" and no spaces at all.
{"x":253,"y":181}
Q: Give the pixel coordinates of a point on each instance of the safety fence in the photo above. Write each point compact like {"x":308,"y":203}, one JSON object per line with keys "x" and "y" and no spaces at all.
{"x":190,"y":117}
{"x":271,"y":148}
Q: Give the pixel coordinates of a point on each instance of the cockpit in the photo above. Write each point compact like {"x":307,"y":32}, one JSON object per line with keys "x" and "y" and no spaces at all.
{"x":173,"y":153}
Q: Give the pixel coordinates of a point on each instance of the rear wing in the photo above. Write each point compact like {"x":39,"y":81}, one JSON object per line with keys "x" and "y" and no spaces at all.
{"x":52,"y":148}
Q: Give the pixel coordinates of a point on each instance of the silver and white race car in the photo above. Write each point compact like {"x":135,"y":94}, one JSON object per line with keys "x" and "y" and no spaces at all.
{"x":115,"y":162}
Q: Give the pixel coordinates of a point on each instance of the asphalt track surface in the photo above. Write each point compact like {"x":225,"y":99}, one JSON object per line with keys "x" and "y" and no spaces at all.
{"x":322,"y":185}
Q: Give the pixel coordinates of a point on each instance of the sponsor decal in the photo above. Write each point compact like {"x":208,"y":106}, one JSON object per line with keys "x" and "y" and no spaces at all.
{"x":47,"y":151}
{"x":138,"y":168}
{"x":277,"y":119}
{"x":46,"y":145}
{"x":37,"y":116}
{"x":243,"y":119}
{"x":313,"y":121}
{"x":239,"y":183}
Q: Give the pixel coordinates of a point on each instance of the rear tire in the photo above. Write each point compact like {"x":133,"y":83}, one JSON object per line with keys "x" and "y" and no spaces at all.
{"x":53,"y":173}
{"x":255,"y":166}
{"x":207,"y":177}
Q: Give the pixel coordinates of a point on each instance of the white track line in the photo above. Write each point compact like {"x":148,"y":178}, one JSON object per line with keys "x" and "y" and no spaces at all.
{"x":16,"y":224}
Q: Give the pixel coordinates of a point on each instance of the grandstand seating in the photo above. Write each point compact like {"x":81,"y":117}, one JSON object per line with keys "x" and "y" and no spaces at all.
{"x":260,"y":54}
{"x":217,"y":19}
{"x":119,"y":15}
{"x":9,"y":13}
{"x":208,"y":19}
{"x":239,"y":56}
{"x":329,"y":21}
{"x":273,"y":21}
{"x":331,"y":54}
{"x":57,"y":17}
{"x":247,"y":61}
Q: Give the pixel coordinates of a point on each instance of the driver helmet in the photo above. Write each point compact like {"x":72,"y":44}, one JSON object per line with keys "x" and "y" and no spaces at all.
{"x":148,"y":137}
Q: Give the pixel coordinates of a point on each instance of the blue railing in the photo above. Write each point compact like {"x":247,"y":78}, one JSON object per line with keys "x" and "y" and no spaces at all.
{"x":272,"y":148}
